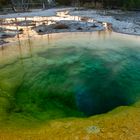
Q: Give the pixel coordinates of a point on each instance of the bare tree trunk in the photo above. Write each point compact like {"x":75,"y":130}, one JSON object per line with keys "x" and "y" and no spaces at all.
{"x":13,"y":6}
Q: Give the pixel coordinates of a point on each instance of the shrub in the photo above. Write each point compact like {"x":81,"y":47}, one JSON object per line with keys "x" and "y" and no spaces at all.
{"x":89,"y":5}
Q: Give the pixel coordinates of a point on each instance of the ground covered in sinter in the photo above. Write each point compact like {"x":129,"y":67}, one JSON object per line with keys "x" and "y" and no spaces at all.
{"x":67,"y":20}
{"x":123,"y":124}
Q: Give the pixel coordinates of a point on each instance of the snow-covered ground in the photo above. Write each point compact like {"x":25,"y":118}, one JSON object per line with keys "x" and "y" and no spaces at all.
{"x":128,"y":26}
{"x":37,"y":12}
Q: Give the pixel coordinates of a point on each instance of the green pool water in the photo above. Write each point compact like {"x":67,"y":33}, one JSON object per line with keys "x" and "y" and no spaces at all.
{"x":68,"y":75}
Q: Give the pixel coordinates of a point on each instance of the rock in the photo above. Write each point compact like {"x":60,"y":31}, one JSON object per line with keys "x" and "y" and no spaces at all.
{"x":21,"y":31}
{"x":41,"y":28}
{"x":7,"y":35}
{"x":85,"y":19}
{"x":94,"y":26}
{"x":2,"y":42}
{"x":79,"y":28}
{"x":61,"y":26}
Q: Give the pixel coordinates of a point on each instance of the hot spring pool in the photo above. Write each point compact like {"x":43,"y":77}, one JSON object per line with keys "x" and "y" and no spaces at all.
{"x":69,"y":75}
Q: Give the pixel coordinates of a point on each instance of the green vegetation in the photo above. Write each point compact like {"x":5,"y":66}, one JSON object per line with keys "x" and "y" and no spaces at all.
{"x":131,"y":4}
{"x":124,"y":4}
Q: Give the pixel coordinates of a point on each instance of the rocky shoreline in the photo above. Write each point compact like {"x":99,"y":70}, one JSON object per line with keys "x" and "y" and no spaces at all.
{"x":55,"y":20}
{"x":123,"y":22}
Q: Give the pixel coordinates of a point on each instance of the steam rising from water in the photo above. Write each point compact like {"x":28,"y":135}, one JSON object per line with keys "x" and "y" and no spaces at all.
{"x":69,"y":75}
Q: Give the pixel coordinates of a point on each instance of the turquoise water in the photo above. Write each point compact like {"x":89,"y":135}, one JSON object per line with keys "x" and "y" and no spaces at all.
{"x":69,"y":75}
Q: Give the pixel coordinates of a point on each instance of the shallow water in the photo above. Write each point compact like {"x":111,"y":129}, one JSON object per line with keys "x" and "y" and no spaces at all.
{"x":69,"y":75}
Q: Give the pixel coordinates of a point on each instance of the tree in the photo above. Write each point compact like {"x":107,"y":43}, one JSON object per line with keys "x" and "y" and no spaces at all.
{"x":24,"y":4}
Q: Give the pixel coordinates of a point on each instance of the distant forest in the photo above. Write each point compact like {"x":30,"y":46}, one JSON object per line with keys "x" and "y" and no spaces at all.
{"x":110,"y":4}
{"x":128,"y":4}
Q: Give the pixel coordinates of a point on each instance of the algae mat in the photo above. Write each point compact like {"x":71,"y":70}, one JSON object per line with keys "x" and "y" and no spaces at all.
{"x":71,"y":86}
